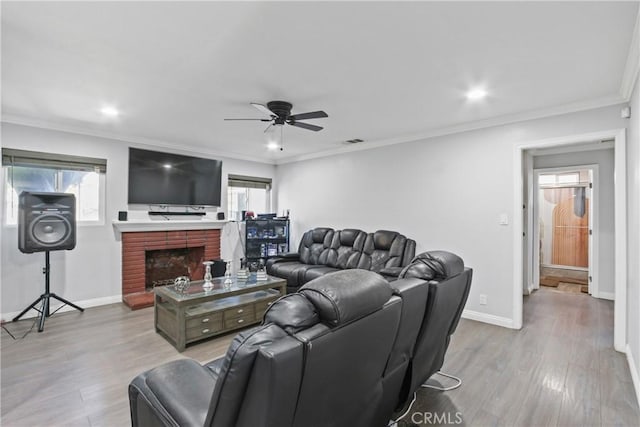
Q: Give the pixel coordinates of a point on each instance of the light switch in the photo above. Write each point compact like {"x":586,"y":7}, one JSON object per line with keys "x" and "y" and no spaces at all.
{"x":504,"y":219}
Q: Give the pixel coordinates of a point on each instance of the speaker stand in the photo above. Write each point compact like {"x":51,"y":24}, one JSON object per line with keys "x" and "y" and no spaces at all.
{"x":44,"y":310}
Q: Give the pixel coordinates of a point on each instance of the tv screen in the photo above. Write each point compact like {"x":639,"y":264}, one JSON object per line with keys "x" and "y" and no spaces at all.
{"x":170,"y":179}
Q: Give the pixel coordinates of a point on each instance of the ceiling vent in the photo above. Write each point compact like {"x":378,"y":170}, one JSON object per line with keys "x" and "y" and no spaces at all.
{"x":354,"y":141}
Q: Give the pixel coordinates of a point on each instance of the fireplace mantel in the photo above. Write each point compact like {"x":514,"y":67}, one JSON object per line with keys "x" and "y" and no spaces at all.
{"x":137,"y":225}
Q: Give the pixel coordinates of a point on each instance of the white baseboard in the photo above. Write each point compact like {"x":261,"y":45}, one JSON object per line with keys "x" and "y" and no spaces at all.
{"x":488,"y":318}
{"x":94,"y":302}
{"x":606,"y":295}
{"x":634,"y":372}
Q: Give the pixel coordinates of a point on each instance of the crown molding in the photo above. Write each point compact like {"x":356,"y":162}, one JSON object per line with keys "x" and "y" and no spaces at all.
{"x":465,"y":127}
{"x":138,"y":141}
{"x":632,"y":66}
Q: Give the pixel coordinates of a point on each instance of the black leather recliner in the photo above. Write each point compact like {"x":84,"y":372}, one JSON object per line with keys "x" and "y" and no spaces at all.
{"x":313,"y":251}
{"x":344,"y":253}
{"x":449,"y":283}
{"x":346,"y":350}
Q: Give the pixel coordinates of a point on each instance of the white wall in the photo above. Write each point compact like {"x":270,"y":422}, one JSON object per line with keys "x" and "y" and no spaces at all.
{"x":605,"y":214}
{"x":445,"y":192}
{"x":633,"y":230}
{"x":93,"y":269}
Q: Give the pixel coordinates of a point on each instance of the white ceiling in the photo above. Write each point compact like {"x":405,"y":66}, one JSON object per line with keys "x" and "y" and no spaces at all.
{"x":382,"y":70}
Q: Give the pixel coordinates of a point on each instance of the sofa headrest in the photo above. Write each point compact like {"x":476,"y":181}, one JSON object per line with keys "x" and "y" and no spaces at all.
{"x":434,"y":265}
{"x":318,"y":234}
{"x":292,"y":313}
{"x":347,"y":295}
{"x":348,"y":236}
{"x":383,"y":239}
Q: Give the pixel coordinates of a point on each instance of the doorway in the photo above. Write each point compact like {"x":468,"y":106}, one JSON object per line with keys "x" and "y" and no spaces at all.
{"x":522,"y":230}
{"x":564,"y":229}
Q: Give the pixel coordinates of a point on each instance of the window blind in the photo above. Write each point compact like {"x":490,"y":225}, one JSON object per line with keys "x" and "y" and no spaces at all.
{"x":249,"y":182}
{"x":14,"y":157}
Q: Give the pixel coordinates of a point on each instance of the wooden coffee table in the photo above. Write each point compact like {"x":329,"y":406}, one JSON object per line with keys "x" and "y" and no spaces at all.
{"x":197,"y":314}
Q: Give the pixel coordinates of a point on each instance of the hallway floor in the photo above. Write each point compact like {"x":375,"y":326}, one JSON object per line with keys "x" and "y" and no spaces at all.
{"x":559,"y":370}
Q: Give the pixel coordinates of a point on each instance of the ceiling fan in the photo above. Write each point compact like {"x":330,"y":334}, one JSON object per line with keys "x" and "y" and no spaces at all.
{"x":280,"y":113}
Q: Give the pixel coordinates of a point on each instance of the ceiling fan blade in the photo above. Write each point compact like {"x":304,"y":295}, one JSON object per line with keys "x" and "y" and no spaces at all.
{"x":268,"y":127}
{"x":305,"y":126}
{"x":264,"y":109}
{"x":260,"y":120}
{"x":311,"y":115}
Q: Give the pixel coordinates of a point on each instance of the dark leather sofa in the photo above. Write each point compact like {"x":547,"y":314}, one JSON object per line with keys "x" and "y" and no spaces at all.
{"x":324,"y":250}
{"x":348,"y":349}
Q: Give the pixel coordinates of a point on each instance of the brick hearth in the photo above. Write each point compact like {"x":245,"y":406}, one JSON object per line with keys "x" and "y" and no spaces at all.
{"x":134,"y":245}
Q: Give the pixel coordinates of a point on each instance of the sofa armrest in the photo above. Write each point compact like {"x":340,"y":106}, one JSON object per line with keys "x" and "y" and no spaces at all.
{"x":391,"y":271}
{"x":174,"y":394}
{"x":289,"y":256}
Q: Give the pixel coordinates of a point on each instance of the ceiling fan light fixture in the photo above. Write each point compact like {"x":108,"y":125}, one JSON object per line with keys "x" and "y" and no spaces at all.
{"x":275,"y":137}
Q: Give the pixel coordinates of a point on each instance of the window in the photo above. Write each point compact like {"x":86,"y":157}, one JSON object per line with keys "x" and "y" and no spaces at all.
{"x":560,"y":179}
{"x":245,"y":193}
{"x":33,"y":171}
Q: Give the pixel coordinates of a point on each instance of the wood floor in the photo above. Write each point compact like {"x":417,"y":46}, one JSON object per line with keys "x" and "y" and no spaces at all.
{"x":560,"y":369}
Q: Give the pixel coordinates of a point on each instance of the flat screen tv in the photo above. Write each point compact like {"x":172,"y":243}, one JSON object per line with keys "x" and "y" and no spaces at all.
{"x":157,"y":178}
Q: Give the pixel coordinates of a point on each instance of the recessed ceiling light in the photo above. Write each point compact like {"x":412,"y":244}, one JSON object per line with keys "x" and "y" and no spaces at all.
{"x":166,"y":166}
{"x":110,"y":111}
{"x":477,"y":93}
{"x":273,"y":145}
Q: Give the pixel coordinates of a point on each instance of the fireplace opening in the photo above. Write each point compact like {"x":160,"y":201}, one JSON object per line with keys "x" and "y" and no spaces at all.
{"x":164,"y":265}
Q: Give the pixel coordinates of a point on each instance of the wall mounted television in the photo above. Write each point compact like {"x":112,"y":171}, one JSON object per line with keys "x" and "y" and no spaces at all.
{"x":157,"y":178}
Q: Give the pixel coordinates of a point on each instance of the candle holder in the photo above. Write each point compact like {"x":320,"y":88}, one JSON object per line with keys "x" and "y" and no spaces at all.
{"x":208,"y":285}
{"x":227,"y":276}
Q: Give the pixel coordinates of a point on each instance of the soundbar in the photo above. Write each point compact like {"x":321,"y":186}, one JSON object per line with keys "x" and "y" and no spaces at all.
{"x":177,"y":213}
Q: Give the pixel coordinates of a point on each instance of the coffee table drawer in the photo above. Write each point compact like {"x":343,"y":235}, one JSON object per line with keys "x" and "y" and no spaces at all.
{"x":205,"y":320}
{"x":204,"y":330}
{"x":239,"y":312}
{"x":238,"y":322}
{"x":262,"y":306}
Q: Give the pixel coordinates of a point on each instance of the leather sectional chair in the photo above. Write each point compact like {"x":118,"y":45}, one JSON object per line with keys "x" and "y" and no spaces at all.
{"x":449,"y":283}
{"x":340,"y":352}
{"x":324,"y":250}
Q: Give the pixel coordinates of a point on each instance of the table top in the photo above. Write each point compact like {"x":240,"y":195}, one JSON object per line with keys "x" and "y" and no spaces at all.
{"x":239,"y":286}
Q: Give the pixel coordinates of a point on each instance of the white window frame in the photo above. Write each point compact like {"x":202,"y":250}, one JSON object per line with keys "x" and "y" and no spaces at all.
{"x":102,"y":179}
{"x":248,"y":182}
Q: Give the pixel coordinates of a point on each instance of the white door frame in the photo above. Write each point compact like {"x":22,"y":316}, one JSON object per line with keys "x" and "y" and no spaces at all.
{"x":620,"y":220}
{"x":534,"y":229}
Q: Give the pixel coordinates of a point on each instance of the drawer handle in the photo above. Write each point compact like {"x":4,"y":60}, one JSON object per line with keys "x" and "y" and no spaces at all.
{"x":240,"y":320}
{"x":240,"y":310}
{"x":204,"y":331}
{"x":205,"y":320}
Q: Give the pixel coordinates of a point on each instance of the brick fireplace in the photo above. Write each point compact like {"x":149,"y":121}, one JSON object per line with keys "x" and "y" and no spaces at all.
{"x":146,"y":252}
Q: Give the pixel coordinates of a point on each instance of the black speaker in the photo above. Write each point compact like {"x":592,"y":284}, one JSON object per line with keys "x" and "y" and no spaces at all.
{"x":122,"y":215}
{"x":46,"y":222}
{"x":221,"y":215}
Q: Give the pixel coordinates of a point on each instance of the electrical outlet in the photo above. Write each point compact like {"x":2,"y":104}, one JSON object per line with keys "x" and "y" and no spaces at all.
{"x":483,"y":299}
